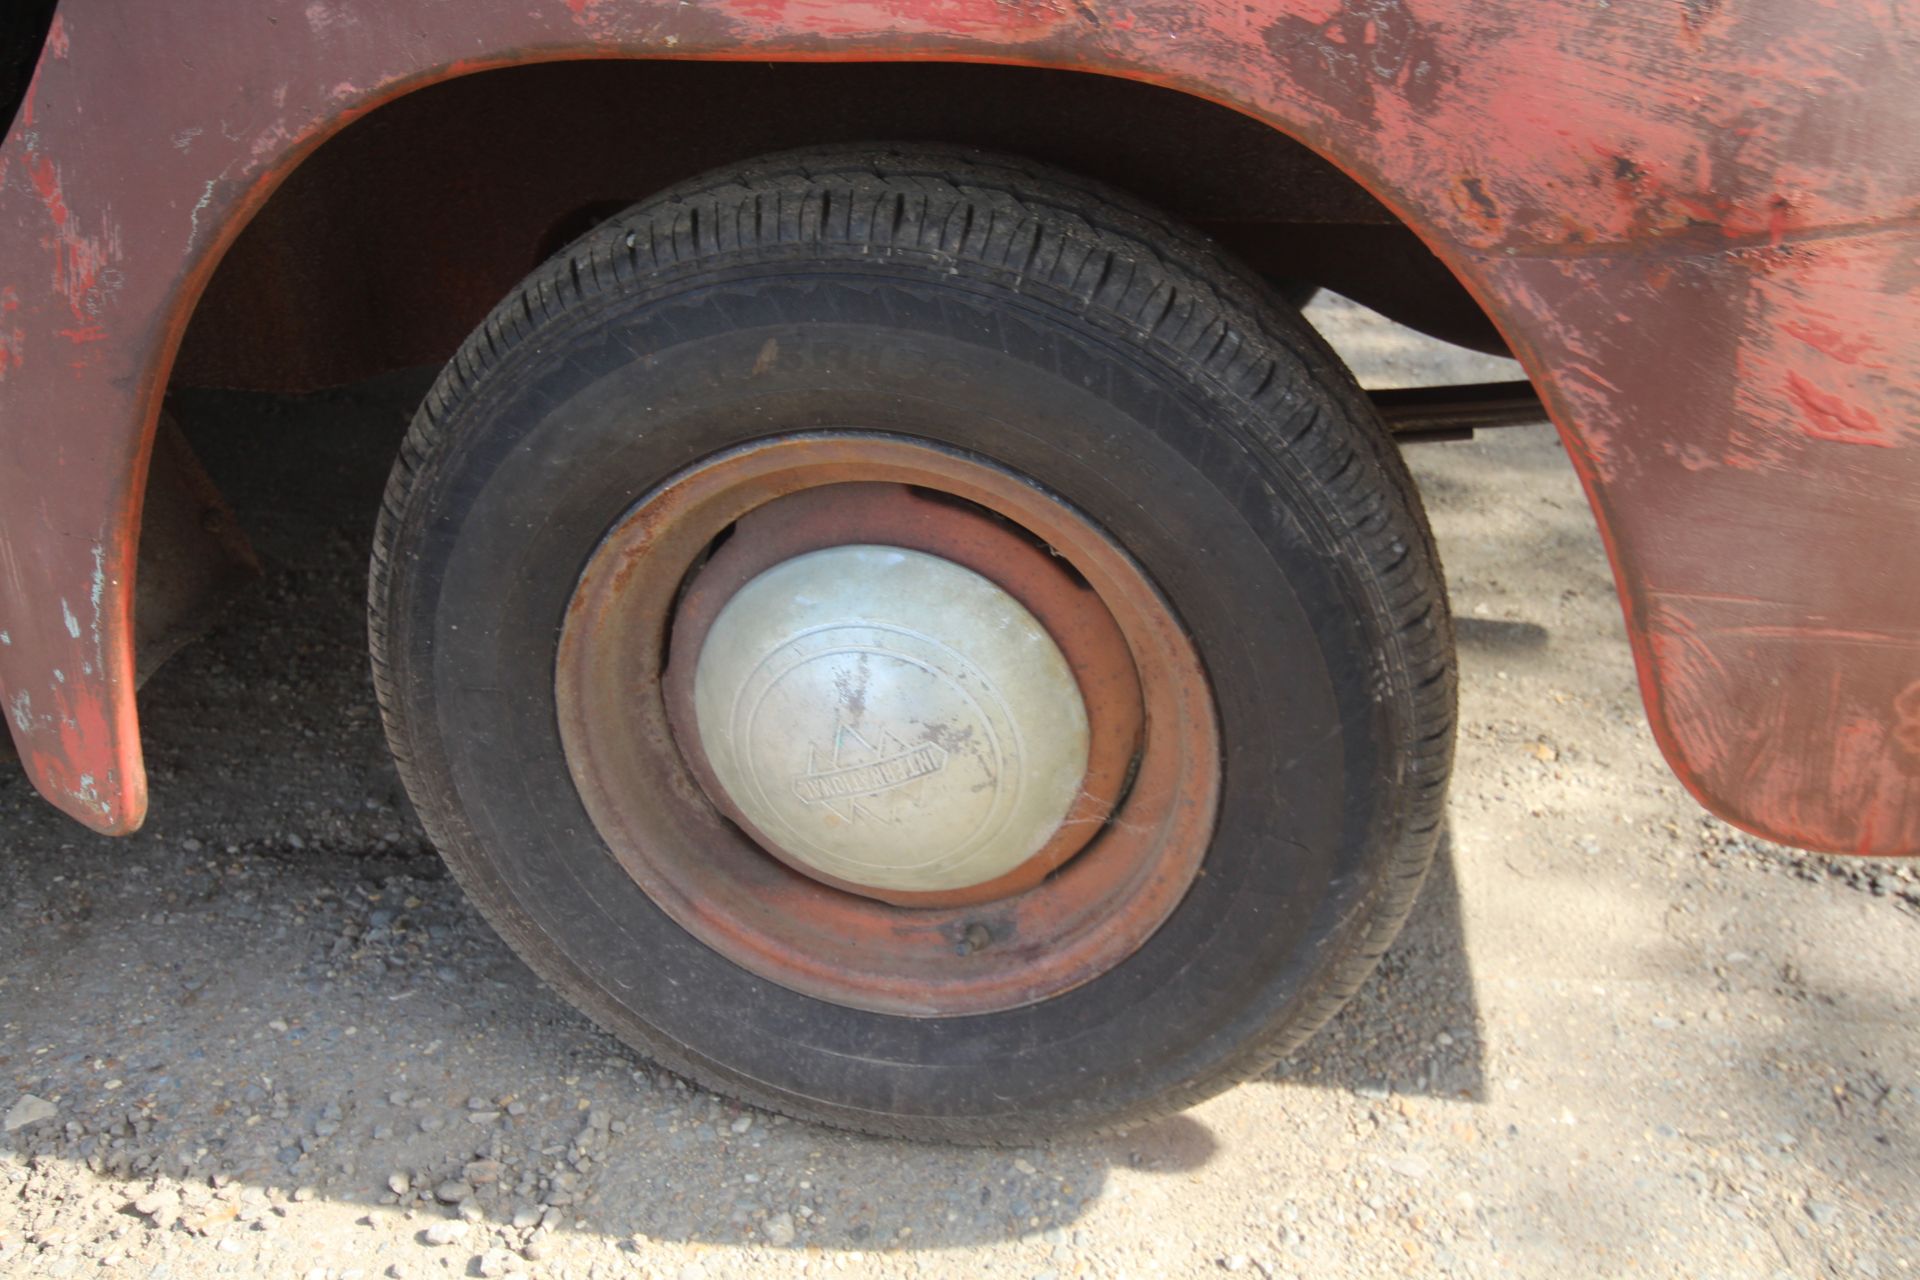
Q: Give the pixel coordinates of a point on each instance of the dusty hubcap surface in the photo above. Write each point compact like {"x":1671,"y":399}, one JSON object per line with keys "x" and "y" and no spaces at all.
{"x":891,"y":719}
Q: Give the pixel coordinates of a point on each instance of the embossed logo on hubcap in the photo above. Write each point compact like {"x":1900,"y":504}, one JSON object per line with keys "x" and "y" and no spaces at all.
{"x":854,"y":767}
{"x":890,"y":719}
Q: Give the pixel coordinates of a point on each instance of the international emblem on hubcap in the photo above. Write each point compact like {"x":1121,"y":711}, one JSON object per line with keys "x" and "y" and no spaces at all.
{"x":958,"y":737}
{"x":854,"y":768}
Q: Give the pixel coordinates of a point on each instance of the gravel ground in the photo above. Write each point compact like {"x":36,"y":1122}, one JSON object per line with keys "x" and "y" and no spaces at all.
{"x":267,"y":1035}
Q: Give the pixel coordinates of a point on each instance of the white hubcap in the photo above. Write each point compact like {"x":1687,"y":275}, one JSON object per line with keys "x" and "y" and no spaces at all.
{"x":891,"y":719}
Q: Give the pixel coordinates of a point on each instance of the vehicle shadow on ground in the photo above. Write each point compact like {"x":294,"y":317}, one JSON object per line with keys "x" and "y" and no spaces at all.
{"x":275,"y":982}
{"x":1415,"y":1027}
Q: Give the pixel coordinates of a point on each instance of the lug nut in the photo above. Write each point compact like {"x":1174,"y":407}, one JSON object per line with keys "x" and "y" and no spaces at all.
{"x":974,"y":939}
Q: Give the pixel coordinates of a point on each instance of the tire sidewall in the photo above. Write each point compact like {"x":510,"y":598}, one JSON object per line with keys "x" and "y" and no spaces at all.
{"x":562,"y":438}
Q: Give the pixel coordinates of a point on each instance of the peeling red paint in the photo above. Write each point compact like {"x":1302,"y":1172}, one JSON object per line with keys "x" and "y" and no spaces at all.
{"x":78,"y":259}
{"x":79,"y":718}
{"x":1364,"y":51}
{"x":597,"y":18}
{"x":13,"y":338}
{"x":46,"y":183}
{"x":1830,"y":341}
{"x":1828,"y":417}
{"x":1766,"y":575}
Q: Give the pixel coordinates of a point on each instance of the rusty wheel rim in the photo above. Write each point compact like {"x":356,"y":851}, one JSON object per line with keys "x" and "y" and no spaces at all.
{"x":903,"y":517}
{"x":1098,"y":887}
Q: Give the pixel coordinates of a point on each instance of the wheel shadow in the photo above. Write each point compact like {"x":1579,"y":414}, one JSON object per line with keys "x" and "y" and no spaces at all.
{"x":1499,"y":637}
{"x":1414,"y":1027}
{"x":276,"y":987}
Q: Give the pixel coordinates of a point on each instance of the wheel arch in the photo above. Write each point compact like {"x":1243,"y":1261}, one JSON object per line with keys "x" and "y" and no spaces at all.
{"x":392,"y":239}
{"x":1577,"y":199}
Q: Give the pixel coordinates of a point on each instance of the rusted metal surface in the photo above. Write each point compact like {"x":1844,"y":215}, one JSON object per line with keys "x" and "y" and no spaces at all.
{"x":898,"y":516}
{"x":1032,"y":939}
{"x":1694,"y":223}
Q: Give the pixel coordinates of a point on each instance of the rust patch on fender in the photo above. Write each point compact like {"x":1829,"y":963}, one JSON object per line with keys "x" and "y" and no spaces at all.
{"x":1367,"y":47}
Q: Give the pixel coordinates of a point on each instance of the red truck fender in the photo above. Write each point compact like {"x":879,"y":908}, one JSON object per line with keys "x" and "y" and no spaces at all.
{"x":1697,"y":225}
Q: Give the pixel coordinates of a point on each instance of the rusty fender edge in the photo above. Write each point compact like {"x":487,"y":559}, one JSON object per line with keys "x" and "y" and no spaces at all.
{"x":1697,"y":224}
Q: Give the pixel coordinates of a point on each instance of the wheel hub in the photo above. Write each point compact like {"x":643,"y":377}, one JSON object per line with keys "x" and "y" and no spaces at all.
{"x":890,"y":719}
{"x":902,"y":695}
{"x":870,"y":718}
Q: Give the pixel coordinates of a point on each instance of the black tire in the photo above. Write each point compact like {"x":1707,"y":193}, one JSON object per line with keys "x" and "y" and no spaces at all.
{"x":1111,"y":355}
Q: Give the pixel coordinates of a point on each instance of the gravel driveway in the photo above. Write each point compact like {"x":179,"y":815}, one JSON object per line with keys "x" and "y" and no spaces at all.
{"x":267,"y":1036}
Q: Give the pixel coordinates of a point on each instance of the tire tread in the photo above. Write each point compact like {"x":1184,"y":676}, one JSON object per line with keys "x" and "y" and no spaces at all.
{"x":1128,"y":270}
